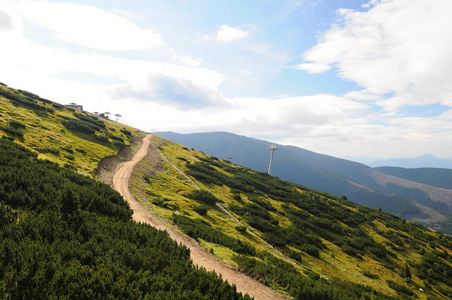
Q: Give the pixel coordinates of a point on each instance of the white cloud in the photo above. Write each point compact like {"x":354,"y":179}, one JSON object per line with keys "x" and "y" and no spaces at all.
{"x":361,"y":95}
{"x":171,"y":91}
{"x":312,"y":68}
{"x":185,"y":59}
{"x":89,"y":26}
{"x":189,"y":61}
{"x":41,"y":69}
{"x":227,"y":34}
{"x":397,"y":46}
{"x":156,"y":95}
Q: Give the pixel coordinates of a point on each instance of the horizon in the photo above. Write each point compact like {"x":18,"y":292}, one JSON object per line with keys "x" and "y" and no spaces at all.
{"x":363,"y":159}
{"x":344,"y":78}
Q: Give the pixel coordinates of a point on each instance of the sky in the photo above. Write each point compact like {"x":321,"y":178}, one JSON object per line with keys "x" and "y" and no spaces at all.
{"x":348,"y":78}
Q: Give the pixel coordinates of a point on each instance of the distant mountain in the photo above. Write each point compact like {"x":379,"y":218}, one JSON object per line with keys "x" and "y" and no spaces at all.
{"x":359,"y":183}
{"x":432,"y":176}
{"x":424,"y":161}
{"x":362,"y":159}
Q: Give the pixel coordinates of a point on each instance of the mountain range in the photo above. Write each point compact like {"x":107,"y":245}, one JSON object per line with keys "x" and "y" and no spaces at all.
{"x":415,"y":200}
{"x":423,"y":161}
{"x":66,"y":234}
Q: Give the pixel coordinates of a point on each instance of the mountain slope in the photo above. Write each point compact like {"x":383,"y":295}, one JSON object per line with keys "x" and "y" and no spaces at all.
{"x":302,"y":242}
{"x":424,"y":161}
{"x":360,"y":183}
{"x":198,"y":254}
{"x":70,"y":137}
{"x":65,"y":235}
{"x":438,"y":177}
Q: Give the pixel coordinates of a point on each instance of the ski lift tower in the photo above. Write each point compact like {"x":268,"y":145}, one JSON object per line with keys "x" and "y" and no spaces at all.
{"x":272,"y":149}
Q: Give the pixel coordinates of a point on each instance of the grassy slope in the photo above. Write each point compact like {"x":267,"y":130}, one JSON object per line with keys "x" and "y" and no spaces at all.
{"x":38,"y":124}
{"x":45,"y":132}
{"x":360,"y":183}
{"x":167,"y":190}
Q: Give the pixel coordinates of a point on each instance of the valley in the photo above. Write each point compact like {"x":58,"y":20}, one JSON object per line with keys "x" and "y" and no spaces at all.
{"x":410,"y":196}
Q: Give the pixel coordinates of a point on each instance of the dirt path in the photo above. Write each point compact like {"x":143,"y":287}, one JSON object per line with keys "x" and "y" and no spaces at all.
{"x":199,"y":256}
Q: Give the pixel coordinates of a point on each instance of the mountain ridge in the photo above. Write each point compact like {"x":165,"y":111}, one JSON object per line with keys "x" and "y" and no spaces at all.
{"x":336,"y":176}
{"x":300,"y":242}
{"x":423,"y":161}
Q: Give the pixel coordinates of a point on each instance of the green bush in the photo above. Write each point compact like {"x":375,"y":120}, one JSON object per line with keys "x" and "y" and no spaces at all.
{"x":400,"y":289}
{"x":310,"y":249}
{"x":199,"y":229}
{"x":16,"y":124}
{"x":79,"y":126}
{"x":83,"y":151}
{"x":91,"y":119}
{"x":370,"y":275}
{"x":202,"y":210}
{"x":102,"y":138}
{"x":240,"y":228}
{"x":126,"y":132}
{"x":203,"y":196}
{"x":12,"y":131}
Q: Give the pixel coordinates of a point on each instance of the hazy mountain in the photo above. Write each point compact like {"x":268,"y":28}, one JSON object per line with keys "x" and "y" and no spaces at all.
{"x":362,"y":159}
{"x":358,"y":182}
{"x":432,"y":176}
{"x":424,"y":161}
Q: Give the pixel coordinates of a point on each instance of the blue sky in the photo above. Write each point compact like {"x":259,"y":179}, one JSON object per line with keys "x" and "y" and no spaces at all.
{"x":345,"y":78}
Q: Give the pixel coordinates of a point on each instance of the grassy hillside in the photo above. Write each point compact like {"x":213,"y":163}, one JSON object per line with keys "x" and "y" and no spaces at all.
{"x":66,"y":236}
{"x":360,"y":183}
{"x":72,"y":138}
{"x":63,"y":235}
{"x":304,"y":243}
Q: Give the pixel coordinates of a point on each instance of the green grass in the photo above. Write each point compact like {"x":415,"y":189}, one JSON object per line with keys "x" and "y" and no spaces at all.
{"x":46,"y":134}
{"x":162,"y":188}
{"x":166,"y":192}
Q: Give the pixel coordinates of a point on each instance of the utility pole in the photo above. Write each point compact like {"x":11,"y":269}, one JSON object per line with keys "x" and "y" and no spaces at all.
{"x":272,"y":149}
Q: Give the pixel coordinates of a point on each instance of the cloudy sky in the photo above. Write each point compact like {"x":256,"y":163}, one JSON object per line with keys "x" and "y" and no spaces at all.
{"x":340,"y":77}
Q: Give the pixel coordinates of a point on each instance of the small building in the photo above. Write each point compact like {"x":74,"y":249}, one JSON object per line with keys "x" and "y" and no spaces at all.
{"x":75,"y":105}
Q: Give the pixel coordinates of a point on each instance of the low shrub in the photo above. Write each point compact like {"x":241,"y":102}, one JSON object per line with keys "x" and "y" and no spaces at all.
{"x":202,"y":210}
{"x":203,"y":196}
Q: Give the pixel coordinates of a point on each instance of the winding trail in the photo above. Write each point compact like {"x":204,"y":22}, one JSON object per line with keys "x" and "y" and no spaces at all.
{"x":198,"y":254}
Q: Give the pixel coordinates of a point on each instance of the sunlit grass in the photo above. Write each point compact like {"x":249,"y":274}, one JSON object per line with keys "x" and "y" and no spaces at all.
{"x":45,"y":131}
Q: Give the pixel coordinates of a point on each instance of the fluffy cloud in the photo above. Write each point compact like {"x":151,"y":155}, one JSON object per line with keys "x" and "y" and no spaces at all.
{"x":89,"y":26}
{"x":185,"y":59}
{"x":6,"y":22}
{"x":396,"y":46}
{"x":156,"y":95}
{"x":227,"y":34}
{"x":312,"y":68}
{"x":176,"y":92}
